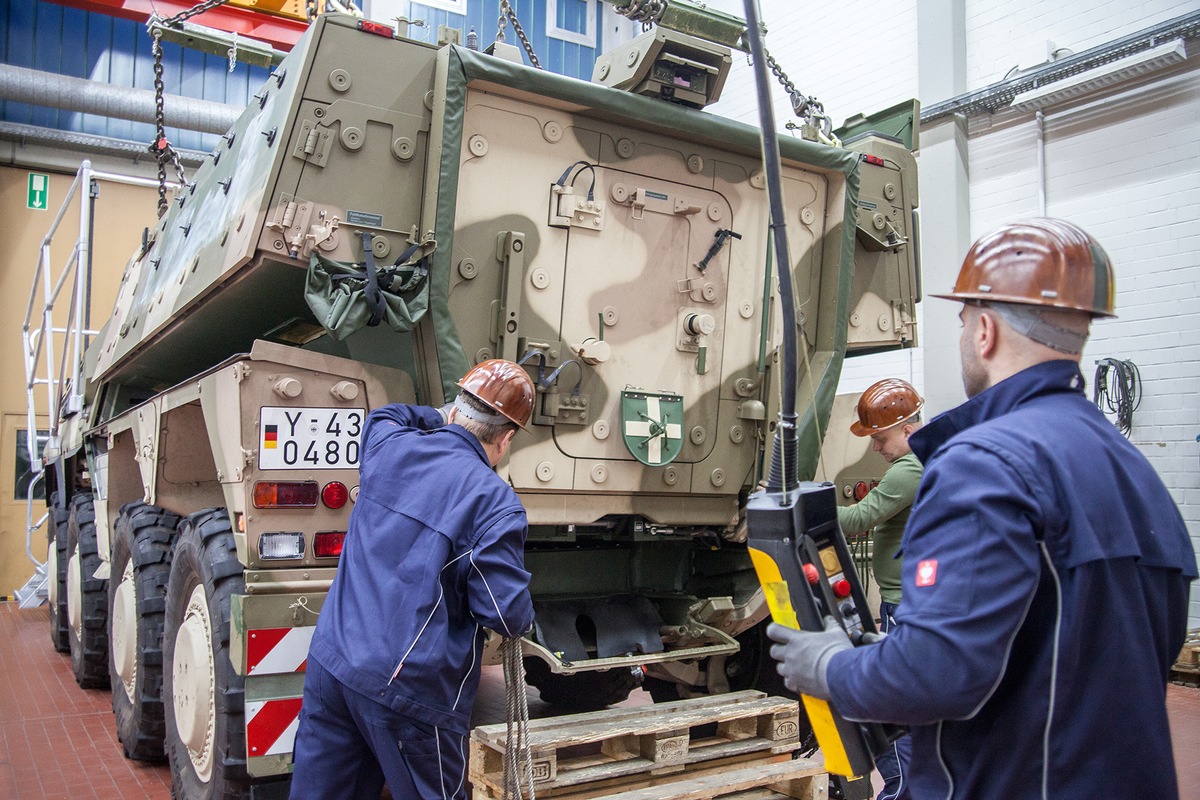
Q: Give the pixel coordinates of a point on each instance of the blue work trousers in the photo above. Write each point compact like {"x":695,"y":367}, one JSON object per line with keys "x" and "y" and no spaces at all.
{"x":348,"y":745}
{"x":893,"y":762}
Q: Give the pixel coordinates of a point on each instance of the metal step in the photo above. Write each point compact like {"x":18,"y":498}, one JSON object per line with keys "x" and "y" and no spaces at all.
{"x":33,"y":593}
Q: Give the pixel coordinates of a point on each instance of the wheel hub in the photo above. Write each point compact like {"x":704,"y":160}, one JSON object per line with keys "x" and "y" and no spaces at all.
{"x":52,"y":573}
{"x":74,"y":599}
{"x":195,"y":678}
{"x":124,"y":631}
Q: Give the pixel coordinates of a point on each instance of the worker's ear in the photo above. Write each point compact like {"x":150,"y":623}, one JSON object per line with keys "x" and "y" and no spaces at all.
{"x":986,"y":334}
{"x":506,"y":439}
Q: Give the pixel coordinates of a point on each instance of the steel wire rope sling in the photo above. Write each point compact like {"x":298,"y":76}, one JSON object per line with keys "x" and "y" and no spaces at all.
{"x":518,"y":758}
{"x":795,"y":543}
{"x":1120,"y":395}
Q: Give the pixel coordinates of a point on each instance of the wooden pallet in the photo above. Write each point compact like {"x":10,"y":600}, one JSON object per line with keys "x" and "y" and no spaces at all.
{"x":1187,"y":667}
{"x":642,"y":752}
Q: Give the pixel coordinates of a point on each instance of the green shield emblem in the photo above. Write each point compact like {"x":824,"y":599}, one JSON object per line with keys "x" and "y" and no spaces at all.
{"x":652,"y":425}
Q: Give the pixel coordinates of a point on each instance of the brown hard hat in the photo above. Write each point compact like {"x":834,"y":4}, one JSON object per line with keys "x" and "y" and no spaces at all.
{"x":1041,"y":262}
{"x":884,"y":405}
{"x":502,"y":386}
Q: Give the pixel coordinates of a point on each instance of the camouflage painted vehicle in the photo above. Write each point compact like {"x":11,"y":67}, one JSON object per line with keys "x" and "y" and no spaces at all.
{"x":362,"y":236}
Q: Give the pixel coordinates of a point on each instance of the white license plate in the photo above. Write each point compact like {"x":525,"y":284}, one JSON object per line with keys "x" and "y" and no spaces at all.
{"x":309,"y":438}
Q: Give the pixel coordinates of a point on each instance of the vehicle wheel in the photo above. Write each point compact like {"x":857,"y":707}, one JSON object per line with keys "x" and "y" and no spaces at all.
{"x":57,"y":559}
{"x":205,"y":728}
{"x":137,"y":592}
{"x":87,"y":597}
{"x":583,"y":691}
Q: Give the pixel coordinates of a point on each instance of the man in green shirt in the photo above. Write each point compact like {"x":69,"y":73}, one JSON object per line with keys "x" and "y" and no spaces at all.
{"x":889,"y":411}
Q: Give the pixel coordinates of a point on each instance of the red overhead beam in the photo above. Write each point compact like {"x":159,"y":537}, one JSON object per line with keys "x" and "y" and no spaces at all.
{"x":281,"y":33}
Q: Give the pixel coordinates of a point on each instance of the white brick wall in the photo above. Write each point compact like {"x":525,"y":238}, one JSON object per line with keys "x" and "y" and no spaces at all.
{"x":1126,"y":167}
{"x":1002,"y":35}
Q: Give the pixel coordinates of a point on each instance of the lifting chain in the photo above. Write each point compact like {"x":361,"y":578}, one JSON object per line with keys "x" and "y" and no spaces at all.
{"x":310,"y":9}
{"x":809,"y":109}
{"x":646,"y":12}
{"x":508,"y":15}
{"x":518,"y":758}
{"x":161,"y":147}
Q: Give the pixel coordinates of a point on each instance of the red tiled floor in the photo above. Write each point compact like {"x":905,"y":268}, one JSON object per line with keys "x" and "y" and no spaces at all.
{"x":58,"y":742}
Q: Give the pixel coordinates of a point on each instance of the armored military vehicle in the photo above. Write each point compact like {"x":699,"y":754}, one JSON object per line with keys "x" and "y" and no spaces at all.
{"x":382,"y":216}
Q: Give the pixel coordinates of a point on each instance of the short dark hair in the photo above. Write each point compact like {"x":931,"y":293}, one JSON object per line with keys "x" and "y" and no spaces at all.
{"x":483,"y":431}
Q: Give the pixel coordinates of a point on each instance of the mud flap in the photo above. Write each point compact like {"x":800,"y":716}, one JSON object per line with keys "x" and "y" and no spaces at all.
{"x":621,"y":625}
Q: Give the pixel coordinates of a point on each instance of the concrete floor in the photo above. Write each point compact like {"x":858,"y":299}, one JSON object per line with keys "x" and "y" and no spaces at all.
{"x":58,"y":742}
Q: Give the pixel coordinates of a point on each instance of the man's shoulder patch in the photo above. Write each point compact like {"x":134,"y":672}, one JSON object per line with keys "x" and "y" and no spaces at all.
{"x":927,"y":572}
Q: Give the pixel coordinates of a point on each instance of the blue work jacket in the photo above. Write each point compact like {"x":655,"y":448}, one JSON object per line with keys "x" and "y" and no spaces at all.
{"x":1046,"y":575}
{"x":434,"y":554}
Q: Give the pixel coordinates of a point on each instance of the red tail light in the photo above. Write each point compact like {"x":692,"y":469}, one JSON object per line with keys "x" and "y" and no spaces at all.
{"x":328,"y":544}
{"x":280,"y":494}
{"x":860,"y":490}
{"x":335,"y":494}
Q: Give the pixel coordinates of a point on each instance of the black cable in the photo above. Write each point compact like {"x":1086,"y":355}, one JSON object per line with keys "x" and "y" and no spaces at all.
{"x":783,"y":475}
{"x":1121,"y":394}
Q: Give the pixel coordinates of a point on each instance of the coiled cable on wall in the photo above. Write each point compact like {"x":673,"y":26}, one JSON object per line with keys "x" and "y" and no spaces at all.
{"x":1117,"y":389}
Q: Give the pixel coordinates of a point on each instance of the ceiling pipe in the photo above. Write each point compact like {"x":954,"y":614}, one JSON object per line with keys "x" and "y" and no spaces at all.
{"x":88,"y":143}
{"x":50,"y":90}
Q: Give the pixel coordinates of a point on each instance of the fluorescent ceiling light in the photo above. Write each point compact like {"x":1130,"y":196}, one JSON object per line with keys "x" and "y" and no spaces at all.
{"x":1104,"y":75}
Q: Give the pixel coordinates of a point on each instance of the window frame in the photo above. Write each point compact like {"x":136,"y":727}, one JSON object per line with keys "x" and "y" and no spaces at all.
{"x":586,"y":39}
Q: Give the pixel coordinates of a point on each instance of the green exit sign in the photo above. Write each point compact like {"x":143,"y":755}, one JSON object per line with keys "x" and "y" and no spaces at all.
{"x":37,"y":196}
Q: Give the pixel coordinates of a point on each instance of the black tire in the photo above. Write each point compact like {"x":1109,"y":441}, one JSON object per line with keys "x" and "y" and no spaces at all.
{"x":752,"y":667}
{"x":583,"y":691}
{"x":137,"y":593}
{"x":56,"y":570}
{"x":205,"y":713}
{"x":87,"y":597}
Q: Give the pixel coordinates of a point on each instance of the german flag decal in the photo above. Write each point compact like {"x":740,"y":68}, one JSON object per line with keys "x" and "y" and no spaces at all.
{"x":270,"y":436}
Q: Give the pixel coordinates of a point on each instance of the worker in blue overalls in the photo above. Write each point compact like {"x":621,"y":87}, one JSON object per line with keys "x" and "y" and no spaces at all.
{"x":433,"y":555}
{"x":1046,"y":566}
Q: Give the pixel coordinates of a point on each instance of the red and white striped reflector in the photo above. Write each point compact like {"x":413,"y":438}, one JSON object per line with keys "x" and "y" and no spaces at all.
{"x":271,"y":726}
{"x":277,"y":651}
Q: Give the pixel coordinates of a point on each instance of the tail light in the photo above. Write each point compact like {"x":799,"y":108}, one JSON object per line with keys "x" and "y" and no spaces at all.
{"x":281,"y":494}
{"x":860,"y":490}
{"x":328,"y":544}
{"x":335,"y":494}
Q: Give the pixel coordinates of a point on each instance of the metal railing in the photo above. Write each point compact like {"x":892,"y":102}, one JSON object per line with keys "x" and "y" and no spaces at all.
{"x":63,"y":391}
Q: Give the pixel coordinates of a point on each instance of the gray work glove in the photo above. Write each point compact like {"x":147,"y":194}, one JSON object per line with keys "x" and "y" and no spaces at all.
{"x":803,"y":656}
{"x":445,"y":412}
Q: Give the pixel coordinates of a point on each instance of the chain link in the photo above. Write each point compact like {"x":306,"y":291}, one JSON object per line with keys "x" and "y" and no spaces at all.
{"x":199,"y":8}
{"x":159,"y":145}
{"x":646,"y":12}
{"x":310,"y":10}
{"x":507,"y":11}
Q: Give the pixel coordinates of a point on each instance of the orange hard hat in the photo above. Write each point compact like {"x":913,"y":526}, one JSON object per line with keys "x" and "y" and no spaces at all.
{"x":1041,"y":262}
{"x":502,"y":386}
{"x":885,"y":404}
